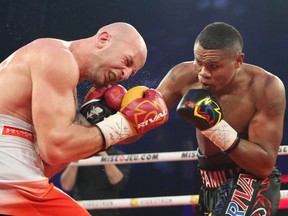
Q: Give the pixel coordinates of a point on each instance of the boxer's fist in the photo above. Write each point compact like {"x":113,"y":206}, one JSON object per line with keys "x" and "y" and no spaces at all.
{"x":142,"y":109}
{"x":101,"y":103}
{"x":95,"y":111}
{"x":113,"y":96}
{"x":200,"y":108}
{"x":95,"y":93}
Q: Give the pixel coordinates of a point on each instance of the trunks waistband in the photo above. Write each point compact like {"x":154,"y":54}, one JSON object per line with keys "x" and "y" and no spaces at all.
{"x":215,"y":178}
{"x":18,"y":132}
{"x":16,"y":122}
{"x":216,"y":169}
{"x":20,"y":160}
{"x":215,"y":162}
{"x":12,"y":126}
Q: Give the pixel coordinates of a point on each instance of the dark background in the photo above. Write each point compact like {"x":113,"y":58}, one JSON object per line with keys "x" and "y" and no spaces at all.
{"x":169,"y":28}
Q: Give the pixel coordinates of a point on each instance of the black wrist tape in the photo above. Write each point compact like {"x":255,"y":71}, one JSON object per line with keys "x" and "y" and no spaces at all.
{"x":233,"y":146}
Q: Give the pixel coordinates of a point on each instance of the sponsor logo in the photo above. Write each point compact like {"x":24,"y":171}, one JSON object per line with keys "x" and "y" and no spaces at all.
{"x":94,"y":111}
{"x":91,"y":204}
{"x":147,"y":115}
{"x":13,"y":131}
{"x":132,"y":157}
{"x":151,"y":201}
{"x":191,"y":154}
{"x":208,"y":110}
{"x":283,"y":149}
{"x":215,"y":178}
{"x":241,"y":196}
{"x":152,"y":120}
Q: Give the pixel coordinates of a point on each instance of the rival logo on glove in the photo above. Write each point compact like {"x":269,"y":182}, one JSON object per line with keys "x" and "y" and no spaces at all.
{"x":143,"y":119}
{"x":154,"y":119}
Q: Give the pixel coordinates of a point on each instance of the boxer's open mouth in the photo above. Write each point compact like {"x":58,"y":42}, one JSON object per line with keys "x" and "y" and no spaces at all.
{"x":112,"y":76}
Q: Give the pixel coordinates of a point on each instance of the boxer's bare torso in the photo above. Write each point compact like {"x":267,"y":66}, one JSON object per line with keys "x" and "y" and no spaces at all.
{"x":21,"y":69}
{"x":252,"y":101}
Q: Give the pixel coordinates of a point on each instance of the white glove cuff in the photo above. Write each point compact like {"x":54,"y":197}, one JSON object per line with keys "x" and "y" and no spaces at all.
{"x":222,"y":135}
{"x":115,"y":128}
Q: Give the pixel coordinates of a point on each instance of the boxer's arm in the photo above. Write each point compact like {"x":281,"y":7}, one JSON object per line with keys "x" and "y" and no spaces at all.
{"x":68,"y":178}
{"x":265,"y":131}
{"x":53,"y":109}
{"x":176,"y":82}
{"x":50,"y":171}
{"x":131,"y":139}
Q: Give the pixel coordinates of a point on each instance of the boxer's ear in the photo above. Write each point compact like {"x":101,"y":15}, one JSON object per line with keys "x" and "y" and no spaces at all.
{"x":239,"y":60}
{"x":102,"y":39}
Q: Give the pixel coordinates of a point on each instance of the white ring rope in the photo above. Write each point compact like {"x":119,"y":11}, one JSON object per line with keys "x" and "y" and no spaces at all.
{"x":148,"y":157}
{"x":140,"y":202}
{"x":148,"y":201}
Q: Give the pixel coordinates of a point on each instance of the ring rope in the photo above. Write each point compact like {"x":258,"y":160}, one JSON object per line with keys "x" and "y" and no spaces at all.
{"x":148,"y":157}
{"x":152,"y":201}
{"x":140,"y":202}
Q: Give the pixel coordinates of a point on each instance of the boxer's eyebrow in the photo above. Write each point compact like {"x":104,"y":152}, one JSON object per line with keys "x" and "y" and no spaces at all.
{"x":130,"y":61}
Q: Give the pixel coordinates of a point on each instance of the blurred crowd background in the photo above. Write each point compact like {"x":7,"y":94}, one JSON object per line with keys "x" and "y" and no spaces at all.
{"x":169,"y":28}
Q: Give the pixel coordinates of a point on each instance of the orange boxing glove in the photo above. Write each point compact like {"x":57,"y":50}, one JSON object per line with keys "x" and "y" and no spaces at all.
{"x":142,"y":109}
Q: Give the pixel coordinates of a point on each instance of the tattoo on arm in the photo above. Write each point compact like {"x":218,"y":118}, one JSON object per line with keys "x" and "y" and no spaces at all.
{"x":172,"y":76}
{"x":276,"y":107}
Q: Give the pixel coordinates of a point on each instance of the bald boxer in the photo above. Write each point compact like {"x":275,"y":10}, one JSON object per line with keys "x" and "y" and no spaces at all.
{"x":238,"y":112}
{"x":38,"y":105}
